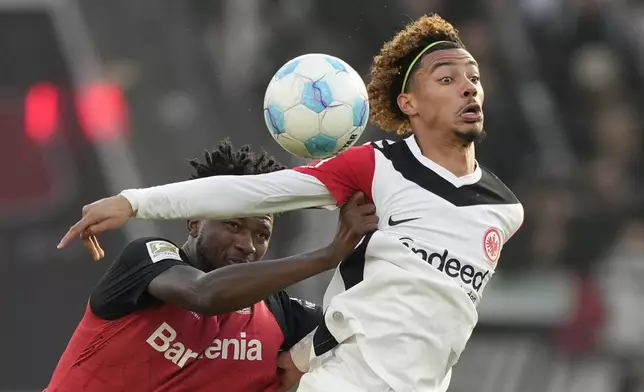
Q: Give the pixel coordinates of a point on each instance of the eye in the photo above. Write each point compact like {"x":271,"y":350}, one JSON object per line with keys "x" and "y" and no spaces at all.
{"x":233,"y":226}
{"x":263,"y":237}
{"x":475,"y":79}
{"x":445,"y":79}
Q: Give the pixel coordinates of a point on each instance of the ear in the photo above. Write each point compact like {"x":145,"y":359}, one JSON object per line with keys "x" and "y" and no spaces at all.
{"x":193,"y":228}
{"x":407,"y":104}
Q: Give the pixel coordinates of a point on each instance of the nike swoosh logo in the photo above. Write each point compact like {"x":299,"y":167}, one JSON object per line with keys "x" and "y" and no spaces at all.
{"x":393,"y":222}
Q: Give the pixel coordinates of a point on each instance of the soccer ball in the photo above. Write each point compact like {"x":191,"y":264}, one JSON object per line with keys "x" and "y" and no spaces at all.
{"x":316,"y":106}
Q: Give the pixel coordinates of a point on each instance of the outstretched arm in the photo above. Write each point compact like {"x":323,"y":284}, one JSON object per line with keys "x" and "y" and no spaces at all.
{"x":221,"y":197}
{"x":137,"y":280}
{"x":327,"y":183}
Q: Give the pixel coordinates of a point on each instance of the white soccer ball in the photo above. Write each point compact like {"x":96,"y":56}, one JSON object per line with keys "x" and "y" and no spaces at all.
{"x":316,"y":106}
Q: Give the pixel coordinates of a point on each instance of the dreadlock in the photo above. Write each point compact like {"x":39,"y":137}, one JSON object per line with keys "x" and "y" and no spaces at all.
{"x":397,"y":57}
{"x":224,"y":161}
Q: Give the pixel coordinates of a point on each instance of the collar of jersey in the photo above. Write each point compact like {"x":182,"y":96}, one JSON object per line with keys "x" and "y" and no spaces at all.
{"x":458,"y":182}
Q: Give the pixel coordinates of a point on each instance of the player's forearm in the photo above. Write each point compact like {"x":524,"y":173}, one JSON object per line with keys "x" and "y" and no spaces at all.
{"x":237,"y":286}
{"x":221,"y":197}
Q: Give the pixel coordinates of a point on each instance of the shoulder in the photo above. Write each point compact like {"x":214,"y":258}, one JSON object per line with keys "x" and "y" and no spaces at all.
{"x":356,"y":154}
{"x":345,"y":173}
{"x":145,"y":256}
{"x":153,"y":248}
{"x":123,"y":288}
{"x":496,"y":188}
{"x":142,"y":253}
{"x":491,"y":187}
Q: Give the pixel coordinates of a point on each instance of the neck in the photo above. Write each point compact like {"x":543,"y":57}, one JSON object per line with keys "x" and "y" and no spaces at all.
{"x":452,"y":154}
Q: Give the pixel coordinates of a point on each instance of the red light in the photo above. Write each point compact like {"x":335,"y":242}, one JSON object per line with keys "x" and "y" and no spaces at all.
{"x":102,"y":111}
{"x":41,"y":111}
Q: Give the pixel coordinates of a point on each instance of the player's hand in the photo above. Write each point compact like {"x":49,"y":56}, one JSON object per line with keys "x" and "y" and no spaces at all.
{"x":357,"y":218}
{"x":289,"y":374}
{"x":103,"y":215}
{"x":92,"y":245}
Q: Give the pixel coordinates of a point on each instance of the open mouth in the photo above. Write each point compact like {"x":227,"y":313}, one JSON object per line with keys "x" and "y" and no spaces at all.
{"x":474,"y":108}
{"x":472,"y":112}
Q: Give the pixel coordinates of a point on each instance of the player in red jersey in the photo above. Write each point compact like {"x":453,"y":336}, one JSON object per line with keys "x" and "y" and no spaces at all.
{"x":401,"y":308}
{"x":203,"y":317}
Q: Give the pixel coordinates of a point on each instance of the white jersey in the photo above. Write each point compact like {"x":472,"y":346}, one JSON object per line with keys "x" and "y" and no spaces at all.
{"x":409,"y":291}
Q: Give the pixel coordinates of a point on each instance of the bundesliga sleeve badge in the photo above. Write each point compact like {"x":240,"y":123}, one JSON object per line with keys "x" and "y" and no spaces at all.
{"x":162,"y":250}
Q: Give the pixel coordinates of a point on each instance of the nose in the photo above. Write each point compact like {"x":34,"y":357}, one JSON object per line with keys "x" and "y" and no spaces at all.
{"x":470,"y":90}
{"x":244,"y":243}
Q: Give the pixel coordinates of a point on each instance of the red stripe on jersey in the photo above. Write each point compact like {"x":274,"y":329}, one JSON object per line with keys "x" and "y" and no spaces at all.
{"x":345,"y":173}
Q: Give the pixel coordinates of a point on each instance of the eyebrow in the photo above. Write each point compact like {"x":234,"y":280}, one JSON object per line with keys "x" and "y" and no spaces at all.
{"x":265,"y":223}
{"x":444,"y":63}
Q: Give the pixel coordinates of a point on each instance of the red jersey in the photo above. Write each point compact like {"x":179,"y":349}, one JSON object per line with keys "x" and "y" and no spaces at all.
{"x":128,"y":341}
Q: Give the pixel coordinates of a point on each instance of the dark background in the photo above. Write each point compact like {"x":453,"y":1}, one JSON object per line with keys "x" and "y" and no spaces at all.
{"x":98,"y":96}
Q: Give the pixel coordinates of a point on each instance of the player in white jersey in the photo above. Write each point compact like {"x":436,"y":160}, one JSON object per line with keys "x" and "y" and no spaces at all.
{"x":400,"y":310}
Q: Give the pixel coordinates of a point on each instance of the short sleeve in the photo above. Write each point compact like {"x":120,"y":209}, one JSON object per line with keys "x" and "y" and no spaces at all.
{"x":123,"y":288}
{"x":345,"y":173}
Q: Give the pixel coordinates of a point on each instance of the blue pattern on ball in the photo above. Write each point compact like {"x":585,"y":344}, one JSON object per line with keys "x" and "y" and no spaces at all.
{"x":360,"y":112}
{"x":320,"y":145}
{"x":275,"y":119}
{"x":287,"y":69}
{"x":335,"y":63}
{"x":317,"y":96}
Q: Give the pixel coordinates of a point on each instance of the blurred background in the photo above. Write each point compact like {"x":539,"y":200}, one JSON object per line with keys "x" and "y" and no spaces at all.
{"x":97,"y":96}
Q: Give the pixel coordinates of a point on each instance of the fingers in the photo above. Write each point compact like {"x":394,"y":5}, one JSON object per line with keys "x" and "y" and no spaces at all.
{"x":97,"y":246}
{"x":91,"y":248}
{"x":88,"y":226}
{"x":358,"y":204}
{"x":100,"y":227}
{"x":91,"y":243}
{"x":116,"y":210}
{"x":357,"y":199}
{"x":361,"y":220}
{"x":357,"y":212}
{"x":86,"y":230}
{"x":360,"y":215}
{"x":370,"y":220}
{"x":74,"y":232}
{"x":368,"y":224}
{"x":366,"y":209}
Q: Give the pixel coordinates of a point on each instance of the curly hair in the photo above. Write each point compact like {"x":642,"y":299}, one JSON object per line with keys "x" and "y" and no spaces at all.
{"x":224,"y":161}
{"x":391,"y":64}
